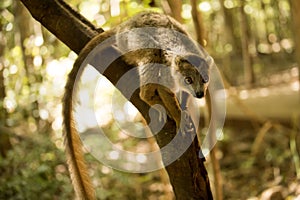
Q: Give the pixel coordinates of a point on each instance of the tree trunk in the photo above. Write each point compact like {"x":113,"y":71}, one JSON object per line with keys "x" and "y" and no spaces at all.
{"x":247,"y":61}
{"x":188,"y":175}
{"x":199,"y":27}
{"x":3,"y":113}
{"x":5,"y":144}
{"x":228,"y":25}
{"x":67,"y":25}
{"x":209,"y":101}
{"x":295,"y":6}
{"x":227,"y":38}
{"x":25,"y":30}
{"x":175,"y":7}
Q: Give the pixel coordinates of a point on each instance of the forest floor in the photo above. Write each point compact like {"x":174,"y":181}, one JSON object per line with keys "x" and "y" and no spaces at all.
{"x":258,"y":172}
{"x":259,"y":154}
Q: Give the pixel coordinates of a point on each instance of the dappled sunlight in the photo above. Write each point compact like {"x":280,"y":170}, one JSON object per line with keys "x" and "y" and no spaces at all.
{"x":89,"y":9}
{"x":98,"y":99}
{"x":205,"y":6}
{"x":131,"y":111}
{"x":295,"y":86}
{"x":115,"y":8}
{"x":10,"y":104}
{"x":255,"y":39}
{"x":186,"y":11}
{"x":229,"y":4}
{"x":279,"y":101}
{"x":59,"y":68}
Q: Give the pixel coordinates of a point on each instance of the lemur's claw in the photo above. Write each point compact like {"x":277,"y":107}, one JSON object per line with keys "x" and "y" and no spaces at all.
{"x":162,"y":117}
{"x":186,"y":124}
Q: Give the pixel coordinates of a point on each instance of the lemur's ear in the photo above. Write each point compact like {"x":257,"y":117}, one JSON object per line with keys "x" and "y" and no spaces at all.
{"x":194,"y":59}
{"x":179,"y":63}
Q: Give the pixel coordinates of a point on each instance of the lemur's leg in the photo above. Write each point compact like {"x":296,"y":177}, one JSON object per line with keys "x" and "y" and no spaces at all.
{"x":153,"y":94}
{"x":149,"y":94}
{"x":171,"y":104}
{"x":181,"y":117}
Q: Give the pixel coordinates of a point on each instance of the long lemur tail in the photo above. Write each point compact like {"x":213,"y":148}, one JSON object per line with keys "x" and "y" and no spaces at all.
{"x":78,"y":169}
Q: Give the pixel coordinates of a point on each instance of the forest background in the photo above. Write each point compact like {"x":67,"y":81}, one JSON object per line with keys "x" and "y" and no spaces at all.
{"x":255,"y":44}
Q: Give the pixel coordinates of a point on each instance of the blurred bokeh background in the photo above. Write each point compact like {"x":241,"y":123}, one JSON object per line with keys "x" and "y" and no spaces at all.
{"x":255,"y":45}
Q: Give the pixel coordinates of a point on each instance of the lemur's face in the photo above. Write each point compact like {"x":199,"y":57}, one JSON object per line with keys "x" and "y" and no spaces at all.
{"x":193,"y":74}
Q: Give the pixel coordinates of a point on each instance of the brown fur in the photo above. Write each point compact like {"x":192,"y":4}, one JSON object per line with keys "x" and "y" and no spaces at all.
{"x":77,"y":167}
{"x":151,"y":93}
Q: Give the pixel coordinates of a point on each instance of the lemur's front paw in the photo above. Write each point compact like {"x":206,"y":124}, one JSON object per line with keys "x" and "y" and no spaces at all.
{"x":185,"y":125}
{"x":162,"y":116}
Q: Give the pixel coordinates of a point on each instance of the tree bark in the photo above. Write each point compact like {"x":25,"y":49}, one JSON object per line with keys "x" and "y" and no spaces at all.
{"x":199,"y":27}
{"x":175,"y":7}
{"x":295,"y":6}
{"x":247,"y":61}
{"x":228,"y":25}
{"x":67,"y":25}
{"x":5,"y":143}
{"x":3,"y":113}
{"x":24,"y":28}
{"x":188,"y":175}
{"x":197,"y":19}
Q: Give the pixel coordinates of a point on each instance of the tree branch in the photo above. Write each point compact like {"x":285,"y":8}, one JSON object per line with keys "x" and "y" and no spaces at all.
{"x":61,"y":20}
{"x":188,"y":175}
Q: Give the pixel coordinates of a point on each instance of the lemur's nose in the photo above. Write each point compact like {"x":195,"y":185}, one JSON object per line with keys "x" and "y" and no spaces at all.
{"x":199,"y":94}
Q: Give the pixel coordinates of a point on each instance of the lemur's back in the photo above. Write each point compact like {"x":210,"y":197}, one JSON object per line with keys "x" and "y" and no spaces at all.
{"x":156,"y":31}
{"x":153,"y":19}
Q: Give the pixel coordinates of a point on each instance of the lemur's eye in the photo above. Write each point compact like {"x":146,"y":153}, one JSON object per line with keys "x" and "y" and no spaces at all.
{"x":188,"y":80}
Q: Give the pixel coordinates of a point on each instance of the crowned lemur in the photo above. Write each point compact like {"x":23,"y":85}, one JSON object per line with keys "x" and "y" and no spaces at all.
{"x":168,"y":61}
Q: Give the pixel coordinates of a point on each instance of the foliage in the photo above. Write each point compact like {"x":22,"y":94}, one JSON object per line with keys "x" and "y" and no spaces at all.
{"x":34,"y":169}
{"x":114,"y":184}
{"x":272,"y":167}
{"x":35,"y":64}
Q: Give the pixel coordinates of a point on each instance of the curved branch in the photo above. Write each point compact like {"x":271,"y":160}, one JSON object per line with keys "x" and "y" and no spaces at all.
{"x":188,"y":175}
{"x":64,"y":22}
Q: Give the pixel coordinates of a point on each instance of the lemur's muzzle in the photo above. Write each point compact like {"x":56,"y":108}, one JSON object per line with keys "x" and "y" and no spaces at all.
{"x":200,"y":94}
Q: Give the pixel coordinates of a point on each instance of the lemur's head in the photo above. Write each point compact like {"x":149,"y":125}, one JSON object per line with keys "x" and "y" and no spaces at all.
{"x":192,"y":74}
